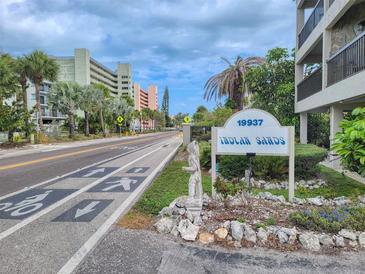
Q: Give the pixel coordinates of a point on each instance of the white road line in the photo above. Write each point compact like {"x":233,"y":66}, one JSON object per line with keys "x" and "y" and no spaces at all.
{"x":70,"y":173}
{"x":76,"y":259}
{"x":34,"y":217}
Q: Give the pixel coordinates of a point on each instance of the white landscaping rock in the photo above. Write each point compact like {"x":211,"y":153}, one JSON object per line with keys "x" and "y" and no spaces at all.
{"x":175,"y":231}
{"x":299,"y":201}
{"x":341,"y":201}
{"x":310,"y":241}
{"x":262,"y":234}
{"x":188,"y":231}
{"x":227,"y":225}
{"x":362,"y":239}
{"x":165,"y":225}
{"x":237,"y":230}
{"x":326,"y":240}
{"x":206,"y":238}
{"x":348,"y":234}
{"x":318,"y":201}
{"x":249,"y":233}
{"x":339,"y":241}
{"x":283,"y":237}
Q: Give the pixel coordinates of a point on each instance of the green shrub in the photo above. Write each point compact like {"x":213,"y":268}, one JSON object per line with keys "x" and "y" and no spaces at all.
{"x":270,"y":221}
{"x":307,"y":158}
{"x":329,"y":219}
{"x":228,"y":188}
{"x":241,"y":219}
{"x":205,"y":154}
{"x":350,"y":144}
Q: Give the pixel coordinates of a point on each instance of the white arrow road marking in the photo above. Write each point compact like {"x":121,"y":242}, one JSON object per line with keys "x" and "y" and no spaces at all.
{"x":124,"y":182}
{"x":87,"y":209}
{"x":93,"y":172}
{"x":138,"y":170}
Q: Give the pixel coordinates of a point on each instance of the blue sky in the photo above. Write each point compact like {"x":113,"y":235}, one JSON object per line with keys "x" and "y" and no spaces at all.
{"x":174,"y":43}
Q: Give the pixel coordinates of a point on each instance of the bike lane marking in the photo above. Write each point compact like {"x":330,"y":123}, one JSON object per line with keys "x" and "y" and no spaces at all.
{"x":74,"y":171}
{"x":76,"y":259}
{"x":55,"y":205}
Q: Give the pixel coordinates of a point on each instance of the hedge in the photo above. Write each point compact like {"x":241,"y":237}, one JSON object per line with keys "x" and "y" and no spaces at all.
{"x":307,"y":158}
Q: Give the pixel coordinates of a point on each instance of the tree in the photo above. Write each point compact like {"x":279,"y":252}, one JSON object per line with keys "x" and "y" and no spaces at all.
{"x":100,"y":101}
{"x":65,"y":97}
{"x":200,"y":114}
{"x":178,"y":119}
{"x":160,"y":119}
{"x":120,"y":106}
{"x":165,"y":104}
{"x":231,"y":81}
{"x":8,"y":79}
{"x":41,"y":68}
{"x":272,"y":86}
{"x":145,"y":115}
{"x":87,"y":105}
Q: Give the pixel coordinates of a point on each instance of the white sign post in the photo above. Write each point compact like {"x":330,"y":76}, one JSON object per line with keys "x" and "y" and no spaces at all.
{"x":254,"y":131}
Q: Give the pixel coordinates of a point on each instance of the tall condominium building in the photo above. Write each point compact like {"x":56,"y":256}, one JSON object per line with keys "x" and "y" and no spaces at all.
{"x":330,"y":60}
{"x":85,"y":70}
{"x":145,"y":99}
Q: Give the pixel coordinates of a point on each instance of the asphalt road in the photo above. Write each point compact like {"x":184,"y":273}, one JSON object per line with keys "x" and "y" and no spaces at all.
{"x":51,"y":226}
{"x":22,"y":171}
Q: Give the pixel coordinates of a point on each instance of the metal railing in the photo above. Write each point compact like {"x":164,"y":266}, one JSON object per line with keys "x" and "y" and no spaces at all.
{"x":311,"y":23}
{"x":310,"y":85}
{"x":348,"y":61}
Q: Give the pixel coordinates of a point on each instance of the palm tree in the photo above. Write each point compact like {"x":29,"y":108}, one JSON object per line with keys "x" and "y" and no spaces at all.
{"x":231,"y":81}
{"x":100,"y":99}
{"x":145,"y":114}
{"x":41,"y":68}
{"x":87,"y":105}
{"x":65,"y":97}
{"x":22,"y":69}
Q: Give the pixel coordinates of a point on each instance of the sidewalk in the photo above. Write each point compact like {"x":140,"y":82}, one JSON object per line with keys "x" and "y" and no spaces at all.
{"x":139,"y":251}
{"x":28,"y":149}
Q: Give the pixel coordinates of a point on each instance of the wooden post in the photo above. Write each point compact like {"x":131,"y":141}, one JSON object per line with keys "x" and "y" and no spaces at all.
{"x":214,"y":159}
{"x":291,"y":163}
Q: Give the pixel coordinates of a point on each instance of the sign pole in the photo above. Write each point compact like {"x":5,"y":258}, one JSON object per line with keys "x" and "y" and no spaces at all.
{"x":291,"y":163}
{"x":214,"y":159}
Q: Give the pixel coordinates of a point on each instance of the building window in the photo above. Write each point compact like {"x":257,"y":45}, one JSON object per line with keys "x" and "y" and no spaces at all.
{"x":42,"y":100}
{"x":125,"y":82}
{"x":124,"y":87}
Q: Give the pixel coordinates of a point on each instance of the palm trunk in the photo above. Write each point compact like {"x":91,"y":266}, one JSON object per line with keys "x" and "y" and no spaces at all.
{"x":102,"y":122}
{"x":87,"y":128}
{"x":71,"y":120}
{"x":38,"y":100}
{"x":23,"y":83}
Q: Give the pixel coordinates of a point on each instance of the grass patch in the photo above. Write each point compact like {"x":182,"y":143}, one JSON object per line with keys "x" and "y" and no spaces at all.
{"x":172,"y":183}
{"x":136,"y":220}
{"x":337,"y":185}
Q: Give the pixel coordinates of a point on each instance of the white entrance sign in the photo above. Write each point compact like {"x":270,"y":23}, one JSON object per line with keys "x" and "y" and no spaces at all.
{"x":254,"y":131}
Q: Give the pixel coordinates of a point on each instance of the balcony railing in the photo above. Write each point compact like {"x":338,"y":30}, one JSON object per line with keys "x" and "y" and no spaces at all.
{"x":310,"y":85}
{"x":311,"y":23}
{"x":347,"y":62}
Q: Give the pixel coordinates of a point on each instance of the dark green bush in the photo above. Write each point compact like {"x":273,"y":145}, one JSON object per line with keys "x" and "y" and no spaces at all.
{"x":307,"y":158}
{"x":205,"y":155}
{"x":329,"y":219}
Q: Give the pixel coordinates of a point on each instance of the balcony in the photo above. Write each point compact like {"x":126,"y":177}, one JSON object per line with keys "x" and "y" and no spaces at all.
{"x":311,"y":23}
{"x":310,"y":85}
{"x":347,"y":62}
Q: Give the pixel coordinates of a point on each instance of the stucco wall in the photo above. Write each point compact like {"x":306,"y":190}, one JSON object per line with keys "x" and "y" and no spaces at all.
{"x":343,"y":32}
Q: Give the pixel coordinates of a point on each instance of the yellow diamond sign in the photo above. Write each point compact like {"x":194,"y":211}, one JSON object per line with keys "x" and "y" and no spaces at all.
{"x":120,"y":119}
{"x":187,"y":119}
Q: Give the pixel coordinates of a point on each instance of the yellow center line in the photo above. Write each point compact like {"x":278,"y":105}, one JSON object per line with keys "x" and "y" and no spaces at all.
{"x":61,"y":156}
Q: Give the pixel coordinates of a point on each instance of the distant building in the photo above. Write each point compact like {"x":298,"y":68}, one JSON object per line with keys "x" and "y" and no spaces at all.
{"x":85,"y":70}
{"x":145,"y":99}
{"x":331,"y":39}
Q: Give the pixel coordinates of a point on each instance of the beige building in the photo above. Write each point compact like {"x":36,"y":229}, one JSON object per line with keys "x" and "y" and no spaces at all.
{"x":331,"y":39}
{"x":85,"y":70}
